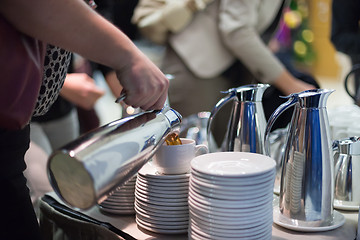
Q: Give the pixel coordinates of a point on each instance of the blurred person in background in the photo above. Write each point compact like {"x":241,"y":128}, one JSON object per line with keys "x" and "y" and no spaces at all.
{"x":213,"y":46}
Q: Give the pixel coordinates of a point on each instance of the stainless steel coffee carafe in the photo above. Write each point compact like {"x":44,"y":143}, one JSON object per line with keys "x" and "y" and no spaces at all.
{"x":307,"y":183}
{"x":347,"y":172}
{"x":247,"y":122}
{"x":84,"y":171}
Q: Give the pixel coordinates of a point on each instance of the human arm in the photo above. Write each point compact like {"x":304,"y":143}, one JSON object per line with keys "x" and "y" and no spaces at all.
{"x":81,"y":90}
{"x":240,"y":31}
{"x":74,"y":26}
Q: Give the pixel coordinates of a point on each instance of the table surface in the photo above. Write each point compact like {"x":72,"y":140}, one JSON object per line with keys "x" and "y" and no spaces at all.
{"x":127,"y":224}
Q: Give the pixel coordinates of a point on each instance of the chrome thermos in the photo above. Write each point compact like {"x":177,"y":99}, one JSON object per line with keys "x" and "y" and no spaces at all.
{"x":84,"y":171}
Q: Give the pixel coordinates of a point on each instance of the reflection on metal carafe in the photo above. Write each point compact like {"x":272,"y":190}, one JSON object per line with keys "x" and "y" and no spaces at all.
{"x":84,"y":171}
{"x":194,"y":127}
{"x":307,"y":183}
{"x":246,"y":126}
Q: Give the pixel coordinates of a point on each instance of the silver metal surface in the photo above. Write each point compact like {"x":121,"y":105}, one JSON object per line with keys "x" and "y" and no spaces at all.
{"x":347,"y":170}
{"x":307,"y":176}
{"x":277,"y":139}
{"x":84,"y":171}
{"x":121,"y":98}
{"x":246,"y":126}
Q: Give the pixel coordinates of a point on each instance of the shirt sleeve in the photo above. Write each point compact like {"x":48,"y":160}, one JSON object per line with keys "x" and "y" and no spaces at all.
{"x":238,"y":22}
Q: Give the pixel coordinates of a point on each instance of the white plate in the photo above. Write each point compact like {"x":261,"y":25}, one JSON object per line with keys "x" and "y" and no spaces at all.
{"x":163,"y":218}
{"x":224,"y":228}
{"x":161,"y":195}
{"x":230,"y":223}
{"x":225,"y":234}
{"x":118,"y":207}
{"x":246,"y":218}
{"x":231,"y":203}
{"x":118,"y":212}
{"x":162,"y":190}
{"x":157,"y":230}
{"x":167,"y":223}
{"x":337,"y":221}
{"x":117,"y":204}
{"x":233,"y":191}
{"x":120,"y":198}
{"x":161,"y":199}
{"x":159,"y":212}
{"x":234,"y":181}
{"x":162,"y":185}
{"x":221,"y":211}
{"x":239,"y":184}
{"x":197,"y":234}
{"x":239,"y":197}
{"x":149,"y":171}
{"x":233,"y":164}
{"x":160,"y":226}
{"x":147,"y":205}
{"x":343,"y":205}
{"x":163,"y":179}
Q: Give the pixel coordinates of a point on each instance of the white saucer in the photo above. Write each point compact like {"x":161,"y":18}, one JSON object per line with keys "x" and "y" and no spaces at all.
{"x":164,"y":218}
{"x":338,"y":221}
{"x":160,"y":201}
{"x":245,"y":218}
{"x":226,"y":234}
{"x":119,"y":198}
{"x":166,"y":223}
{"x":149,"y":170}
{"x":233,"y":164}
{"x":159,"y":212}
{"x":163,"y":179}
{"x":160,"y":190}
{"x":235,"y":180}
{"x":227,"y":196}
{"x":230,"y":223}
{"x":160,"y":226}
{"x":239,"y":194}
{"x":224,"y":211}
{"x":146,"y":205}
{"x":161,"y":195}
{"x":230,"y":203}
{"x":157,"y":230}
{"x":180,"y":185}
{"x":120,"y":212}
{"x":238,"y":183}
{"x":343,"y":205}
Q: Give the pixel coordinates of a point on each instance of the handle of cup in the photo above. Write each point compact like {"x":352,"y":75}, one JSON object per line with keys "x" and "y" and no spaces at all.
{"x":201,"y":149}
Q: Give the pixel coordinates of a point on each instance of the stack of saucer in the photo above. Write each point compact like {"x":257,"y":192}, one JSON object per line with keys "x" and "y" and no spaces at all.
{"x":161,"y":201}
{"x":231,"y":195}
{"x":121,"y":201}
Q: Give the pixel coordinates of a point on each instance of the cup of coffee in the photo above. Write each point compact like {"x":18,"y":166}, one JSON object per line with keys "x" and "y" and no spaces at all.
{"x":175,"y":159}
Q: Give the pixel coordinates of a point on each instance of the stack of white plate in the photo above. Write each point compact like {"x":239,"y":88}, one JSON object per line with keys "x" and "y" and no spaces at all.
{"x":121,"y":201}
{"x":231,"y":195}
{"x":161,"y":201}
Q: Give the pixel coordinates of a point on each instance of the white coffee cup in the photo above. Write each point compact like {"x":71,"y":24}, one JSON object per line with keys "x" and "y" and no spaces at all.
{"x":175,"y":159}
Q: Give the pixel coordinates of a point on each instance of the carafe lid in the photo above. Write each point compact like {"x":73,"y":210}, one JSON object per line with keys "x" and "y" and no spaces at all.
{"x":250,"y":93}
{"x":349,"y":146}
